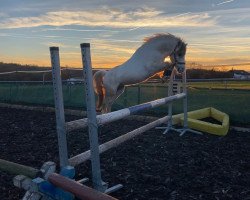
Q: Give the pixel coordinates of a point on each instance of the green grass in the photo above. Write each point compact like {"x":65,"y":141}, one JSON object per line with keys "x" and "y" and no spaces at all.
{"x":233,"y":102}
{"x":241,"y":85}
{"x":222,"y":85}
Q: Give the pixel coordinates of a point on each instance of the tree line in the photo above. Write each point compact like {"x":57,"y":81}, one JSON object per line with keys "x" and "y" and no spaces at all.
{"x":67,"y":73}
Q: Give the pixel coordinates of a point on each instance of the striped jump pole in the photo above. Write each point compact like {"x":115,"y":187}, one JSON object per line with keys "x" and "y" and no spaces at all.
{"x":120,"y":114}
{"x":76,"y":160}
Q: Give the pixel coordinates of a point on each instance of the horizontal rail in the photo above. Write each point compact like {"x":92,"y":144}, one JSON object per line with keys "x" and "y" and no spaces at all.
{"x":153,"y":81}
{"x":83,"y":157}
{"x":216,"y":79}
{"x":120,"y":114}
{"x":81,"y":191}
{"x":17,"y":169}
{"x":37,"y":82}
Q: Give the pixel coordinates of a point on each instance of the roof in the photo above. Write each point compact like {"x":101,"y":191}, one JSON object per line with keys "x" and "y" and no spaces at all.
{"x":241,"y":72}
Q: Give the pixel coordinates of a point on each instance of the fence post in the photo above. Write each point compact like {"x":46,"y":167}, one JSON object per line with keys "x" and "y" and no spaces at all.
{"x":98,"y":184}
{"x":44,"y":78}
{"x":139,"y":94}
{"x":10,"y":92}
{"x":125,"y":102}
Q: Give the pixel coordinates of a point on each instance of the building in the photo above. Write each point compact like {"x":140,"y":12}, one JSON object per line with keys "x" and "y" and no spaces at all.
{"x":241,"y":74}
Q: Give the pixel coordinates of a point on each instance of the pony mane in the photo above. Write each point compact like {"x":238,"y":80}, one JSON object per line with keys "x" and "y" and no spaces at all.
{"x":181,"y":46}
{"x":157,"y":36}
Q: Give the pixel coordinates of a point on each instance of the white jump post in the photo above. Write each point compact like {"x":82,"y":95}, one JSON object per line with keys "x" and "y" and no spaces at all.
{"x":170,"y":106}
{"x":184,"y":83}
{"x":59,"y":107}
{"x":91,"y":114}
{"x":185,"y":128}
{"x":98,"y":184}
{"x":185,"y":109}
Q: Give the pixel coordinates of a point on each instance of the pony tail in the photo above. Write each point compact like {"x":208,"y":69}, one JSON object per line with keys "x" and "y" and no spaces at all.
{"x":99,"y":88}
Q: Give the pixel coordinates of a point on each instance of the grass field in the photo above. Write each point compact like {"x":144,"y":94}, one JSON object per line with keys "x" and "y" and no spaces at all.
{"x":243,"y":85}
{"x":233,"y":101}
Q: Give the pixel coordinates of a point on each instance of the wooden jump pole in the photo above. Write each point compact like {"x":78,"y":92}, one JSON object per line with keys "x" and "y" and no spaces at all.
{"x":120,"y":114}
{"x":81,"y":191}
{"x":76,"y":160}
{"x":17,"y":169}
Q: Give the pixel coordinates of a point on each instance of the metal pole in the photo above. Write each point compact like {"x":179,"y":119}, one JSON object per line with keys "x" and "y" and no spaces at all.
{"x":59,"y":107}
{"x":91,"y":114}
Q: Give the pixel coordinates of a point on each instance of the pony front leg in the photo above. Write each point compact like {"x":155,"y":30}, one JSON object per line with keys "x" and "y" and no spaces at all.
{"x":169,"y":67}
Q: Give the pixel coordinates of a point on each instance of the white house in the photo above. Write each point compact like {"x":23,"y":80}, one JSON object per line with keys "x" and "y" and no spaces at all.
{"x":241,"y":74}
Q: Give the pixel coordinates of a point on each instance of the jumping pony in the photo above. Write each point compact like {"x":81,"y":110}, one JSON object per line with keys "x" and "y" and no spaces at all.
{"x":147,"y":60}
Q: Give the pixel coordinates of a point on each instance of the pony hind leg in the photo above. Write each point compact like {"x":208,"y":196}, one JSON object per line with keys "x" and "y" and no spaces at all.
{"x":110,"y":98}
{"x":99,"y":88}
{"x":100,"y":100}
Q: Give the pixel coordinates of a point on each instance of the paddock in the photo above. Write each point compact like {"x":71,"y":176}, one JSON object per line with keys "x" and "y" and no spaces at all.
{"x":150,"y":166}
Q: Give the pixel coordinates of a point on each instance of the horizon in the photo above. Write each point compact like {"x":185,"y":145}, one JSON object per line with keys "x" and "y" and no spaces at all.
{"x":223,"y":68}
{"x":217,"y":32}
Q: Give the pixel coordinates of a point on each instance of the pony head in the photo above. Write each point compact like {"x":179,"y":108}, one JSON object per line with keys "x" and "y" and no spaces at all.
{"x":177,"y":57}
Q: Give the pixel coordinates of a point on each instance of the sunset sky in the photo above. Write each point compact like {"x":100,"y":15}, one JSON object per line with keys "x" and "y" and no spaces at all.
{"x":217,"y":31}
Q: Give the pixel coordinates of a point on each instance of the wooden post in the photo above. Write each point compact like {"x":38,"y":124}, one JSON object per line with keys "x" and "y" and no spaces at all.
{"x":81,"y":191}
{"x":17,"y":169}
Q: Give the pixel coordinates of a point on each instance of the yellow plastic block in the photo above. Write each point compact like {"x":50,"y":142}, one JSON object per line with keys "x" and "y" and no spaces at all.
{"x":194,"y":121}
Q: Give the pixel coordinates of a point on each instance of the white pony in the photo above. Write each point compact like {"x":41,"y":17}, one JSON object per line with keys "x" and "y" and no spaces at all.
{"x":144,"y":63}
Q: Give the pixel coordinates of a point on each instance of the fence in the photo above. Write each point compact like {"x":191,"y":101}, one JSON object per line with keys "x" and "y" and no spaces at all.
{"x":232,"y":101}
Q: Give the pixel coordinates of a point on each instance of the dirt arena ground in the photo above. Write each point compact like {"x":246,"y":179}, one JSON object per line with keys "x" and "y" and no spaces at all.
{"x":152,"y":166}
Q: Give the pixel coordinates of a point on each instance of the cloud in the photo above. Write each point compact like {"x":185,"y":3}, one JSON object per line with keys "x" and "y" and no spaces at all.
{"x":3,"y":15}
{"x":114,"y":18}
{"x":224,"y":2}
{"x":77,"y":30}
{"x":57,"y":44}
